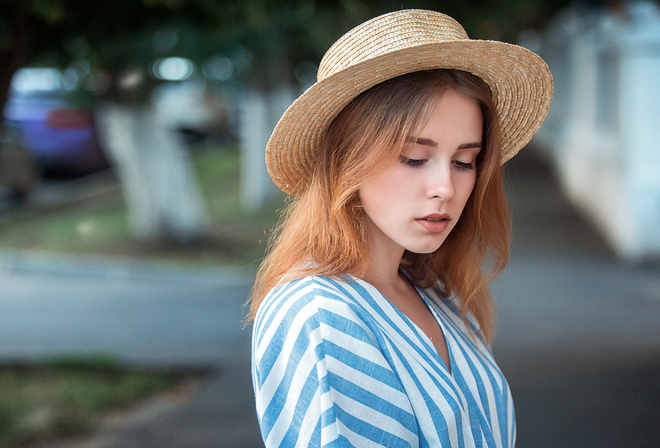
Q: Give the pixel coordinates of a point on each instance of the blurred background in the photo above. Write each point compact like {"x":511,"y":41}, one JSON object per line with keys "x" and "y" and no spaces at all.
{"x":135,"y":204}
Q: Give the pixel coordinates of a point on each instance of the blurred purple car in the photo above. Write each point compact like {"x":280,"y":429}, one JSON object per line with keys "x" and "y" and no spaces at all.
{"x":61,"y":138}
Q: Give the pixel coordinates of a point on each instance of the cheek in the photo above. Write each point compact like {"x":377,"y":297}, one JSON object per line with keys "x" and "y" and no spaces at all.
{"x":383,"y":193}
{"x":466,"y":187}
{"x":463,"y":187}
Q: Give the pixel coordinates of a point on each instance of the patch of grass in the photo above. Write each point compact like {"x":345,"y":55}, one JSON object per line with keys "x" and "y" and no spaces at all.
{"x":218,"y":172}
{"x":100,"y":225}
{"x":68,"y":397}
{"x":83,"y":228}
{"x":236,"y":234}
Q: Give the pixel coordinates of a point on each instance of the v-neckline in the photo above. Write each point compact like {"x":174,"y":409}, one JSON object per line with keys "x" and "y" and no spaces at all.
{"x":449,"y":369}
{"x":441,"y":325}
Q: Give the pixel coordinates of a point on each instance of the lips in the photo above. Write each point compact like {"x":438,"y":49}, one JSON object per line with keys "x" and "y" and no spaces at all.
{"x":435,"y":223}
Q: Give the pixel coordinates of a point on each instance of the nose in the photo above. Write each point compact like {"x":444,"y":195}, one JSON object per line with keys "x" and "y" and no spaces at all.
{"x":441,"y":183}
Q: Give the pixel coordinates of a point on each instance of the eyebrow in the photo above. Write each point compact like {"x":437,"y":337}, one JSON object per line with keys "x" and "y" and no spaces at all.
{"x":433,"y":144}
{"x":423,"y":142}
{"x":470,"y":145}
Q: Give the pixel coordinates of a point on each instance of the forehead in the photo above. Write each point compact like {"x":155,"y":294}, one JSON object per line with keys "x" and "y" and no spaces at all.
{"x":448,"y":111}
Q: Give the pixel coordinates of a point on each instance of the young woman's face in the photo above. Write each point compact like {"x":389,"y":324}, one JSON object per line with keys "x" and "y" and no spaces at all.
{"x":415,"y":203}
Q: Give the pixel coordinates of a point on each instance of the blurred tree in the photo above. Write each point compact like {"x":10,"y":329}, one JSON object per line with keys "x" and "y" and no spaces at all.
{"x":111,"y":45}
{"x":277,"y":34}
{"x":284,"y":33}
{"x":274,"y":46}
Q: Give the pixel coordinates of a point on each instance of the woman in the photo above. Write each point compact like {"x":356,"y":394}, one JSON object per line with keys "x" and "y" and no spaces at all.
{"x":372,"y":318}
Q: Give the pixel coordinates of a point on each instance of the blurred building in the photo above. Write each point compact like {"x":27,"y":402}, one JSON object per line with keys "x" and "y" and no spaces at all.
{"x":603,"y":129}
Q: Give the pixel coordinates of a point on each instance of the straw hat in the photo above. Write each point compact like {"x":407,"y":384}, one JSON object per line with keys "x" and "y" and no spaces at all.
{"x":392,"y":45}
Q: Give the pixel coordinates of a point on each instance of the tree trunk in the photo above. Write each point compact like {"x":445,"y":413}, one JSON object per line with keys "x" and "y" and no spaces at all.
{"x":13,"y":56}
{"x":160,"y":188}
{"x":261,"y":110}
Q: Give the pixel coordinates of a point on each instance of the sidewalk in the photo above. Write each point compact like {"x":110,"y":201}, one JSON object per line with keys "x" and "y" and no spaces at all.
{"x":579,"y":333}
{"x":578,"y":336}
{"x":145,"y":315}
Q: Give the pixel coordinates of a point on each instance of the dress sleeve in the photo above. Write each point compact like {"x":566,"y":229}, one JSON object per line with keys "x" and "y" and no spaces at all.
{"x":322,"y":379}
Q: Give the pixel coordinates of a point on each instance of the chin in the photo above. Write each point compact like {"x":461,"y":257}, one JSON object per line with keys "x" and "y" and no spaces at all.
{"x":429,"y":249}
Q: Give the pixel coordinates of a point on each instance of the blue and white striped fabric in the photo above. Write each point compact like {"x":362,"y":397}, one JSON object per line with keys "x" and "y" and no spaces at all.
{"x":334,"y":363}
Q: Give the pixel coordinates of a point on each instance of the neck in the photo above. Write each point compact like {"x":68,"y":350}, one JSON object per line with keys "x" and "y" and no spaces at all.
{"x":383,"y":270}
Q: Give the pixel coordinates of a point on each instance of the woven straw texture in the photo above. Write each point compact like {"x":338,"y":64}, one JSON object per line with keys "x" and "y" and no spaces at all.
{"x":395,"y":44}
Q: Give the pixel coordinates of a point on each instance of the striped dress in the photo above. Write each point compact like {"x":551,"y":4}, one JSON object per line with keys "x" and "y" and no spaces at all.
{"x":334,"y":363}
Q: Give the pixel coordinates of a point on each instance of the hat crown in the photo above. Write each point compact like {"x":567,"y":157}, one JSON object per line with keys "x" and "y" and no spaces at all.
{"x":389,"y":33}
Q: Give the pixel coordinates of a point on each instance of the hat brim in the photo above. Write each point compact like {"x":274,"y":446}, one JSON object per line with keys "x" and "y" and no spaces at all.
{"x":519,"y":79}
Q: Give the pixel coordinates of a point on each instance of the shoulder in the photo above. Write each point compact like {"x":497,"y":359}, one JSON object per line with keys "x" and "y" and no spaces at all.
{"x":318,"y":367}
{"x":309,"y":302}
{"x":314,"y":291}
{"x":302,"y":321}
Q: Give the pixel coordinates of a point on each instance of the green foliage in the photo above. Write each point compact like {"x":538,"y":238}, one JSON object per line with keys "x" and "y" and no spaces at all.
{"x":67,"y":397}
{"x":100,"y":362}
{"x":100,"y":225}
{"x":278,"y":33}
{"x":50,"y":11}
{"x":79,"y":228}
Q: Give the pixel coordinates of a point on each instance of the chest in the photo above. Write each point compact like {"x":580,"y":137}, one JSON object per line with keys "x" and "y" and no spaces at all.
{"x":471,"y":402}
{"x":411,"y":304}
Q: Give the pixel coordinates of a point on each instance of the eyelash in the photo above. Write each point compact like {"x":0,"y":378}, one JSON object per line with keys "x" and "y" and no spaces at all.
{"x":416,"y":163}
{"x":464,"y":166}
{"x":412,"y":162}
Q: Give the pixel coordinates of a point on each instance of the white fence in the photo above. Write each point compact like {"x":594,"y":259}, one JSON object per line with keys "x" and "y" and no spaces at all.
{"x":603,"y":129}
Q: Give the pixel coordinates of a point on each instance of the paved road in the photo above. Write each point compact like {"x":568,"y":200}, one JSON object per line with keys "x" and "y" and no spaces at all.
{"x":73,"y":305}
{"x":579,"y":337}
{"x":145,"y":315}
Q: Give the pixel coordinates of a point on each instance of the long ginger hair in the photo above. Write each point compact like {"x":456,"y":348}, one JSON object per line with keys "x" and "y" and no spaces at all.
{"x":323,"y":231}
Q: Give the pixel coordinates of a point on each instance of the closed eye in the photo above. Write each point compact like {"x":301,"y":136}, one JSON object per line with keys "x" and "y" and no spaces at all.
{"x":464,"y":165}
{"x":412,"y":162}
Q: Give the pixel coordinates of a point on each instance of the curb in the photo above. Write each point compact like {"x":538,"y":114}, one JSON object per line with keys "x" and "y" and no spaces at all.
{"x":16,"y":261}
